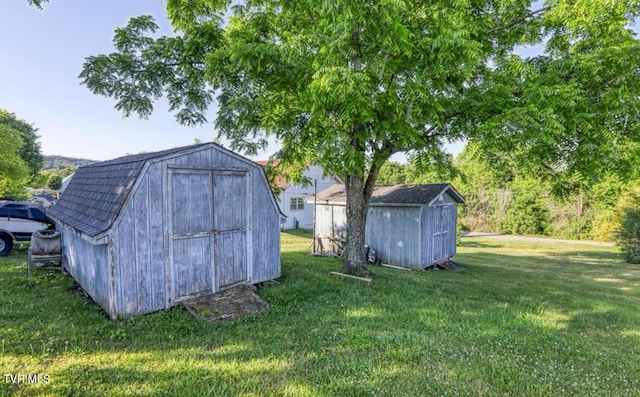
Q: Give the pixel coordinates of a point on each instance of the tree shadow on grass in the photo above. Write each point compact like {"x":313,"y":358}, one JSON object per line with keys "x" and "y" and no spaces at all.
{"x":404,"y":333}
{"x":475,"y":244}
{"x":307,"y":233}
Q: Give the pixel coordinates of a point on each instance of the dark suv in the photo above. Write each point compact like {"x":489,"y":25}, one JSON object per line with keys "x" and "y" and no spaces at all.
{"x":18,"y":220}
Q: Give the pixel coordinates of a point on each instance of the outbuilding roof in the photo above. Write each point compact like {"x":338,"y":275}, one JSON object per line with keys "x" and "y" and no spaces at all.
{"x":394,"y":194}
{"x":97,"y":192}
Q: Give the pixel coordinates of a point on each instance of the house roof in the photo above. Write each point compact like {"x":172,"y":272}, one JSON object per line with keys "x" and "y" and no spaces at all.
{"x":394,"y":194}
{"x":279,"y":181}
{"x":97,"y":192}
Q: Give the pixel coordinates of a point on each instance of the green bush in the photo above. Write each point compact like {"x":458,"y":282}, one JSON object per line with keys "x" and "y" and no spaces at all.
{"x":54,"y":182}
{"x":607,"y":224}
{"x":526,"y":216}
{"x":629,"y":235}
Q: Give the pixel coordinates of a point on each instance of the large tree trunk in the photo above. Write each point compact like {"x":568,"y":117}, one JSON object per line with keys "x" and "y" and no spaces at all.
{"x":357,"y":205}
{"x":359,"y":191}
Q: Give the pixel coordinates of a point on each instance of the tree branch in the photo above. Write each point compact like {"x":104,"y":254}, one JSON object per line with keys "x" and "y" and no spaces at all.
{"x":519,"y":20}
{"x":376,"y":163}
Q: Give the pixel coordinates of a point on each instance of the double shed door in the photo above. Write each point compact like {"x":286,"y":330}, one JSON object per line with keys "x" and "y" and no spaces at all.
{"x":208,"y":231}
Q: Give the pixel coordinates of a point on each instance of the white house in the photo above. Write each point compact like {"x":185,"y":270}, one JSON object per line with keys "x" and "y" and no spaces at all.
{"x":292,"y":198}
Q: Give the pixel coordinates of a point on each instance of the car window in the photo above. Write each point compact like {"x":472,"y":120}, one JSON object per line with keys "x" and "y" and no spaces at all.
{"x":37,"y":212}
{"x":38,"y":215}
{"x":22,"y":213}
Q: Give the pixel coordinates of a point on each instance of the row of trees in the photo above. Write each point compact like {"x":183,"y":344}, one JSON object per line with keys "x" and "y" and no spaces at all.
{"x":503,"y":198}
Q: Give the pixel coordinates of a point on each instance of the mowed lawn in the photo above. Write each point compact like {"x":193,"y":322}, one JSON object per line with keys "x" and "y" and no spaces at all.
{"x":524,"y":319}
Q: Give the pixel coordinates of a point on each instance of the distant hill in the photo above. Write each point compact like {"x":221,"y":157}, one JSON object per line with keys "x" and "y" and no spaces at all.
{"x":60,"y":162}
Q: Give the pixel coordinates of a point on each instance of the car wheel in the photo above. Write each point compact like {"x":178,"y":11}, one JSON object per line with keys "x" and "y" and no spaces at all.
{"x":6,"y":243}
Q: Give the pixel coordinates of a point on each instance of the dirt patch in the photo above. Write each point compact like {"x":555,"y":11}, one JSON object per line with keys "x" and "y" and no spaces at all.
{"x":226,"y":305}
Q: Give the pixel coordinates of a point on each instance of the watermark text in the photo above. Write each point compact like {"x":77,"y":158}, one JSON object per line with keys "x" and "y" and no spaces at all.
{"x":27,"y":378}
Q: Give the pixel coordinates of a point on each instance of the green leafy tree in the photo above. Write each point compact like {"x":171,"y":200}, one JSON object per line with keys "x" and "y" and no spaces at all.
{"x":607,"y":224}
{"x":391,"y":173}
{"x":527,"y":213}
{"x":54,"y":182}
{"x":38,"y":3}
{"x":13,"y":170}
{"x":45,"y":177}
{"x":29,"y":150}
{"x":346,"y":84}
{"x":479,"y":184}
{"x":570,"y":113}
{"x":629,"y":235}
{"x":423,"y":169}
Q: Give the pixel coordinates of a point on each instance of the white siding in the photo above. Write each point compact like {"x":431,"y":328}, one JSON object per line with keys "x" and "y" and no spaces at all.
{"x":304,"y":216}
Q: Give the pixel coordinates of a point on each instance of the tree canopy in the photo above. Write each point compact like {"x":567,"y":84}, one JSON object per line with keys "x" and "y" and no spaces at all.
{"x":20,"y":157}
{"x":29,"y":149}
{"x":347,"y":84}
{"x":38,"y":3}
{"x":13,"y":170}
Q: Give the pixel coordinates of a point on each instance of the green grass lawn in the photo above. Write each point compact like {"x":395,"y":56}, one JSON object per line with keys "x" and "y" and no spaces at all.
{"x":539,"y":319}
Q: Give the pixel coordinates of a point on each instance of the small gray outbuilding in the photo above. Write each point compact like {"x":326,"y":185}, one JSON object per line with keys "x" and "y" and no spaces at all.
{"x":411,"y":226}
{"x":144,"y":232}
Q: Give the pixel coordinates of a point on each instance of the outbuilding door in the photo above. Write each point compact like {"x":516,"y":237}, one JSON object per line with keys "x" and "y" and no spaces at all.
{"x":440,"y":232}
{"x":208,"y":237}
{"x":191,"y":233}
{"x":230,"y":232}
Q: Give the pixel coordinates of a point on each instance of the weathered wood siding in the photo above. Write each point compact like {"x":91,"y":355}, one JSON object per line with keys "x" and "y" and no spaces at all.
{"x":394,"y":233}
{"x":331,"y":220}
{"x":426,"y":230}
{"x":189,"y":229}
{"x":264,"y":232}
{"x":191,"y":233}
{"x":88,"y":264}
{"x":231,"y":223}
{"x":139,"y":251}
{"x":407,"y":236}
{"x":446,"y":199}
{"x":452,"y":221}
{"x":439,"y":224}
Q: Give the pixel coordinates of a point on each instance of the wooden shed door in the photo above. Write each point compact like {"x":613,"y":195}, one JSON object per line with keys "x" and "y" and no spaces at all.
{"x":230,"y":195}
{"x":440,"y":232}
{"x":191,"y":242}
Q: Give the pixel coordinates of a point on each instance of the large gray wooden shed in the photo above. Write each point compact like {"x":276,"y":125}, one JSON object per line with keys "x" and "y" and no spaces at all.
{"x":411,"y":226}
{"x":142,"y":233}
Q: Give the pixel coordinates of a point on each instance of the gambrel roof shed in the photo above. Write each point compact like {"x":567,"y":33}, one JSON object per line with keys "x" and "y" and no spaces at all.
{"x":410,"y":226}
{"x":144,"y":232}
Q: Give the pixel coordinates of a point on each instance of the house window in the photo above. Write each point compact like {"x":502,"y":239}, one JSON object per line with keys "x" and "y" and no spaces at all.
{"x":296,"y":203}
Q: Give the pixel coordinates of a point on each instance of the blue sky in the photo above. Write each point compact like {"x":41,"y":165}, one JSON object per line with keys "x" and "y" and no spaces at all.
{"x":41,"y":55}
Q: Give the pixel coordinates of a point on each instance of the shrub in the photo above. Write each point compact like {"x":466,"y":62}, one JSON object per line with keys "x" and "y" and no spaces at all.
{"x":527,"y":216}
{"x":629,"y":235}
{"x":606,"y":225}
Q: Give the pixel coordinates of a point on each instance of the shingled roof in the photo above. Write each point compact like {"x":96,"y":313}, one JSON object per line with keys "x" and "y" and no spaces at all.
{"x":97,"y":192}
{"x":279,"y":181}
{"x":394,"y":194}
